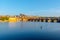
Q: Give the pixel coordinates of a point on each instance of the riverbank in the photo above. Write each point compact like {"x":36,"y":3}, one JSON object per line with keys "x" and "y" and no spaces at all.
{"x":4,"y":21}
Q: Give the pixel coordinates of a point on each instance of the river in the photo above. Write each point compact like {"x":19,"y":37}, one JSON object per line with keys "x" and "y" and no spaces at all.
{"x":29,"y":30}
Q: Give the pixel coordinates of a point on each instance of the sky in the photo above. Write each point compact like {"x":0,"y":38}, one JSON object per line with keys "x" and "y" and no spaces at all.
{"x":30,"y":7}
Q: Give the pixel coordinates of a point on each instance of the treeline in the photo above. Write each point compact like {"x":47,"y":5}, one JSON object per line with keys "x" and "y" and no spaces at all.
{"x":4,"y":18}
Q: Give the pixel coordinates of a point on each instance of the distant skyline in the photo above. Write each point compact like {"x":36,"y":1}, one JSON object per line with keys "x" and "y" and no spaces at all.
{"x":30,"y":7}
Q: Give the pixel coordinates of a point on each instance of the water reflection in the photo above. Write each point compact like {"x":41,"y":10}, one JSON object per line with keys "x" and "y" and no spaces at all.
{"x":30,"y":29}
{"x":21,"y":25}
{"x":41,"y":27}
{"x":12,"y":25}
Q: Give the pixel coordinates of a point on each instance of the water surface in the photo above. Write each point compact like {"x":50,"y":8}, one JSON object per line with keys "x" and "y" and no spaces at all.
{"x":29,"y":30}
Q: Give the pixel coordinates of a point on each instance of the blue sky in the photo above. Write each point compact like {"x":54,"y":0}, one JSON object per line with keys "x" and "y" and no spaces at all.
{"x":30,"y":7}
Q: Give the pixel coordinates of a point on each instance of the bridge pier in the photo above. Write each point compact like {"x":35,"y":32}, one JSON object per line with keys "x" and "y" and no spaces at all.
{"x":49,"y":20}
{"x":39,"y":20}
{"x":44,"y":20}
{"x":55,"y":20}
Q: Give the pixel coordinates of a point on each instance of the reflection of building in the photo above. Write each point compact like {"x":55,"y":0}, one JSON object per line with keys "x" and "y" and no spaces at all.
{"x":12,"y":25}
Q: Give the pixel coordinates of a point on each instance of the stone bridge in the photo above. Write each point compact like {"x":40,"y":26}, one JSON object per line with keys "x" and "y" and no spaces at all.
{"x":45,"y":19}
{"x":35,"y":19}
